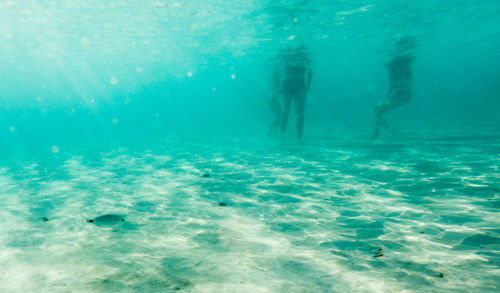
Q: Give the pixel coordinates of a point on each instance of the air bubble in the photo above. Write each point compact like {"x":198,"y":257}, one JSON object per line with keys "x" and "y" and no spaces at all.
{"x":85,"y":42}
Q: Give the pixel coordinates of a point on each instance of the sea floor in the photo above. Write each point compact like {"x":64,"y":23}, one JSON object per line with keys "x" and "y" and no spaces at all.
{"x":252,"y":216}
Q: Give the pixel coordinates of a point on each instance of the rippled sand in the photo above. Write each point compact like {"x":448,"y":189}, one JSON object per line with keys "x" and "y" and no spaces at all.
{"x":351,"y":216}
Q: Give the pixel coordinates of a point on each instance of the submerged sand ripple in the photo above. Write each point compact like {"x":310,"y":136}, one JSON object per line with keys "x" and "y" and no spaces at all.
{"x":400,"y":217}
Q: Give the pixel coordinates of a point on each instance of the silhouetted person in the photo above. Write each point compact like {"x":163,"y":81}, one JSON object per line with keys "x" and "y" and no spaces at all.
{"x":400,"y":80}
{"x":296,"y":76}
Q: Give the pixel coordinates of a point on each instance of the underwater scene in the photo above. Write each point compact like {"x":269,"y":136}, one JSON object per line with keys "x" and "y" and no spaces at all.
{"x":249,"y":146}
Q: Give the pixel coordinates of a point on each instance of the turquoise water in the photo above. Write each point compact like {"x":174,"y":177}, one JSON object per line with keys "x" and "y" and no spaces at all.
{"x":158,"y":112}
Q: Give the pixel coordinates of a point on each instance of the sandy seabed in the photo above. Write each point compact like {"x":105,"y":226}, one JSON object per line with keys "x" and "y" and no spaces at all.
{"x":351,"y":216}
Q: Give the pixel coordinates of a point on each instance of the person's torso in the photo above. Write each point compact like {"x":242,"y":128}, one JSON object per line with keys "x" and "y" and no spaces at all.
{"x":294,"y":79}
{"x":400,"y":77}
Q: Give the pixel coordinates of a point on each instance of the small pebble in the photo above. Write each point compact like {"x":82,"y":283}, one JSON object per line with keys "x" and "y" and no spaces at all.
{"x":206,"y":175}
{"x":440,"y":275}
{"x":45,"y":219}
{"x":222,"y":204}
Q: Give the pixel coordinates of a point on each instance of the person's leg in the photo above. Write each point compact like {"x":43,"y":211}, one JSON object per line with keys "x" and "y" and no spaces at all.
{"x":379,"y":110}
{"x":300,"y":103}
{"x":287,"y":102}
{"x":274,"y":127}
{"x":396,"y":99}
{"x":376,"y":130}
{"x":276,"y":108}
